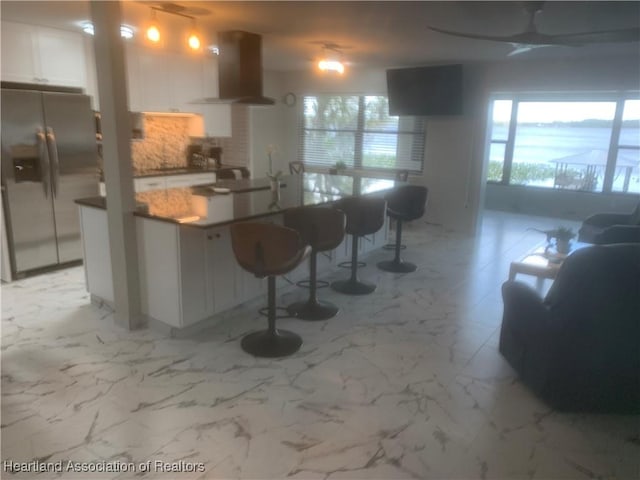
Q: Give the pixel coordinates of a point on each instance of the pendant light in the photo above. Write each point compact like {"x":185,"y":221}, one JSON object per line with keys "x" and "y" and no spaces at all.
{"x":193,"y":40}
{"x":153,"y":33}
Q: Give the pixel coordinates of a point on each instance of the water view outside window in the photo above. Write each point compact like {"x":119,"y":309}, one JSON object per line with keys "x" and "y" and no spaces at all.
{"x":358,"y":131}
{"x":566,"y":144}
{"x":562,"y":144}
{"x":627,"y":172}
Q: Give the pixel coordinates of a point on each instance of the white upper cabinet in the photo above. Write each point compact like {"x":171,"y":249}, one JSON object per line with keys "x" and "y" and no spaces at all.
{"x":62,"y":57}
{"x":162,"y":81}
{"x":35,"y":54}
{"x":188,"y":80}
{"x":18,"y":60}
{"x":217,"y":116}
{"x":155,"y":84}
{"x":210,"y":75}
{"x":157,"y":80}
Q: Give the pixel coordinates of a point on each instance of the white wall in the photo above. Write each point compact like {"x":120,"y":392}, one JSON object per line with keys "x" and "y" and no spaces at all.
{"x":268,"y":127}
{"x":454,"y":167}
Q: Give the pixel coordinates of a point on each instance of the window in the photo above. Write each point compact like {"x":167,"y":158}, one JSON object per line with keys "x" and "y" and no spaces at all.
{"x":589,"y":145}
{"x":501,"y":113}
{"x":357,"y":130}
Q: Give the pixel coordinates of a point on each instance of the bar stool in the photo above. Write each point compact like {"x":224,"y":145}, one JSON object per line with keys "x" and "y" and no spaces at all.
{"x":268,"y":250}
{"x":401,"y":176}
{"x":323,"y":230}
{"x":365,"y":215}
{"x":403,"y":204}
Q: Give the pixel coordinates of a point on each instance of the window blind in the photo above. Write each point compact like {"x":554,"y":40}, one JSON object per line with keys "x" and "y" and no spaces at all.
{"x":358,"y":130}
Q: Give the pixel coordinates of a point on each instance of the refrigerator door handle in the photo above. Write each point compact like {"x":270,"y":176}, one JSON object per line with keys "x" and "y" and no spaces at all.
{"x":53,"y":155}
{"x":43,"y":155}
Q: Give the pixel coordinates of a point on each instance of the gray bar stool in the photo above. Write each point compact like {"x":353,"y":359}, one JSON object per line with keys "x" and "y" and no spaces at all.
{"x":365,"y":215}
{"x":403,"y":204}
{"x":323,"y":230}
{"x":268,"y":250}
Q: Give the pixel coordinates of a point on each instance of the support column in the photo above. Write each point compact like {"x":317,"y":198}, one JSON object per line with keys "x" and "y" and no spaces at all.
{"x":118,"y":171}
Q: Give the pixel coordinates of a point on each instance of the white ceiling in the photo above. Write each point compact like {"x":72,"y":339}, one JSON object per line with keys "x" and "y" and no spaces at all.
{"x":378,"y":34}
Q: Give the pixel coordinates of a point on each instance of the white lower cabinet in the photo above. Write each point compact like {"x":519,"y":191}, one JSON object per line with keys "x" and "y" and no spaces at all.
{"x":224,"y":289}
{"x":188,"y":274}
{"x":228,"y":283}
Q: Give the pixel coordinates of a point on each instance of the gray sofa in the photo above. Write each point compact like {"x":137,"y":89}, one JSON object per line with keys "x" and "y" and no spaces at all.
{"x":579,"y":348}
{"x":604,"y":228}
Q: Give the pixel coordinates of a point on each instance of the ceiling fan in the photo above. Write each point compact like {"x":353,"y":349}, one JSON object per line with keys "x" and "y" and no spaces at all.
{"x":531,"y":38}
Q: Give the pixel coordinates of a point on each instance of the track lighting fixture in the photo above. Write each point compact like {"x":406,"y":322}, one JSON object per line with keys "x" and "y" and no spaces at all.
{"x":153,"y":32}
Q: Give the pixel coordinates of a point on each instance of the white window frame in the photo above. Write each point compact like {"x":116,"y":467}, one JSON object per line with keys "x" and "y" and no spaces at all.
{"x":614,"y":144}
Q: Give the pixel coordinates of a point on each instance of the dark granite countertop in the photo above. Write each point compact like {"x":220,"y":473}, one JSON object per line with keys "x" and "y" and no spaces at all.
{"x":251,"y":199}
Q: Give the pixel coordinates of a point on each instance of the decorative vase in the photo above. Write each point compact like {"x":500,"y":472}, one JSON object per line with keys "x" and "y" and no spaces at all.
{"x":563,"y":246}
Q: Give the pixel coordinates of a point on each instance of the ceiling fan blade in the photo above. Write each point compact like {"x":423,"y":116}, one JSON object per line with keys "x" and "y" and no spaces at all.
{"x":519,"y":48}
{"x":524,"y":38}
{"x":605,"y":36}
{"x":474,"y":36}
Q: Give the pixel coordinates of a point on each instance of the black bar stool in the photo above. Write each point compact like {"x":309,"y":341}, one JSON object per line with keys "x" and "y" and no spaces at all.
{"x":365,"y":215}
{"x":268,"y":250}
{"x":323,"y":230}
{"x":402,"y":176}
{"x":403,"y":204}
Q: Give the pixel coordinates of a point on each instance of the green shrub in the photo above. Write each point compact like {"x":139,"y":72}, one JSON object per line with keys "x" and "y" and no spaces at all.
{"x":521,"y":173}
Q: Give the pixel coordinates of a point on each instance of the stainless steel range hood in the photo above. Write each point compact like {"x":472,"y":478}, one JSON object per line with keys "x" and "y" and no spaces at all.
{"x":239,"y":70}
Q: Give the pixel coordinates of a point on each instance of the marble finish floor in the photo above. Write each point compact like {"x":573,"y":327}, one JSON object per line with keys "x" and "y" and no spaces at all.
{"x":404,"y":383}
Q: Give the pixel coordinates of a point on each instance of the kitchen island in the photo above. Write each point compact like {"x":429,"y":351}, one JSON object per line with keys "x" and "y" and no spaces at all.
{"x":188,"y":272}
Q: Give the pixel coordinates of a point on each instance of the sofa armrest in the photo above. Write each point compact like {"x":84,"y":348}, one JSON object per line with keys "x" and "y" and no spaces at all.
{"x":619,"y":234}
{"x":525,"y":312}
{"x":607,"y":219}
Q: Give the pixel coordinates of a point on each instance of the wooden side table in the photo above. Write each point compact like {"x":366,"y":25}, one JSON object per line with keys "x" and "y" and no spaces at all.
{"x":542,"y":263}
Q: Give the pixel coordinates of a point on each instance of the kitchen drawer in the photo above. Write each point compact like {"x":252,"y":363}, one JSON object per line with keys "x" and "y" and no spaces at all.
{"x":149,"y":183}
{"x":190,"y":180}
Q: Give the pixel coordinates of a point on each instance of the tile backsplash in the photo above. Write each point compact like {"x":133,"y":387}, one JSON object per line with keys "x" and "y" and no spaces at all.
{"x":165,"y":142}
{"x":174,"y":203}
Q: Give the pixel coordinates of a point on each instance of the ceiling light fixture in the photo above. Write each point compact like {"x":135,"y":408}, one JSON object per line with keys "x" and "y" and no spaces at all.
{"x":331,"y":66}
{"x":193,"y":40}
{"x":153,"y":33}
{"x":331,"y":59}
{"x":125,"y":30}
{"x":87,"y":28}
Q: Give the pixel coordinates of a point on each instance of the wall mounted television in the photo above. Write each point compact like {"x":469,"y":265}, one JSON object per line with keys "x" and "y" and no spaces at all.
{"x":423,"y":91}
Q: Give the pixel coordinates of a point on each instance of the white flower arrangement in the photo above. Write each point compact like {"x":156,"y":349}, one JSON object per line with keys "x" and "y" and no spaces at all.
{"x":271,"y":149}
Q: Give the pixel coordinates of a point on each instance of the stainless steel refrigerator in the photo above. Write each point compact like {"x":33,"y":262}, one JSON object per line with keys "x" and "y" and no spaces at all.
{"x":49,"y":159}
